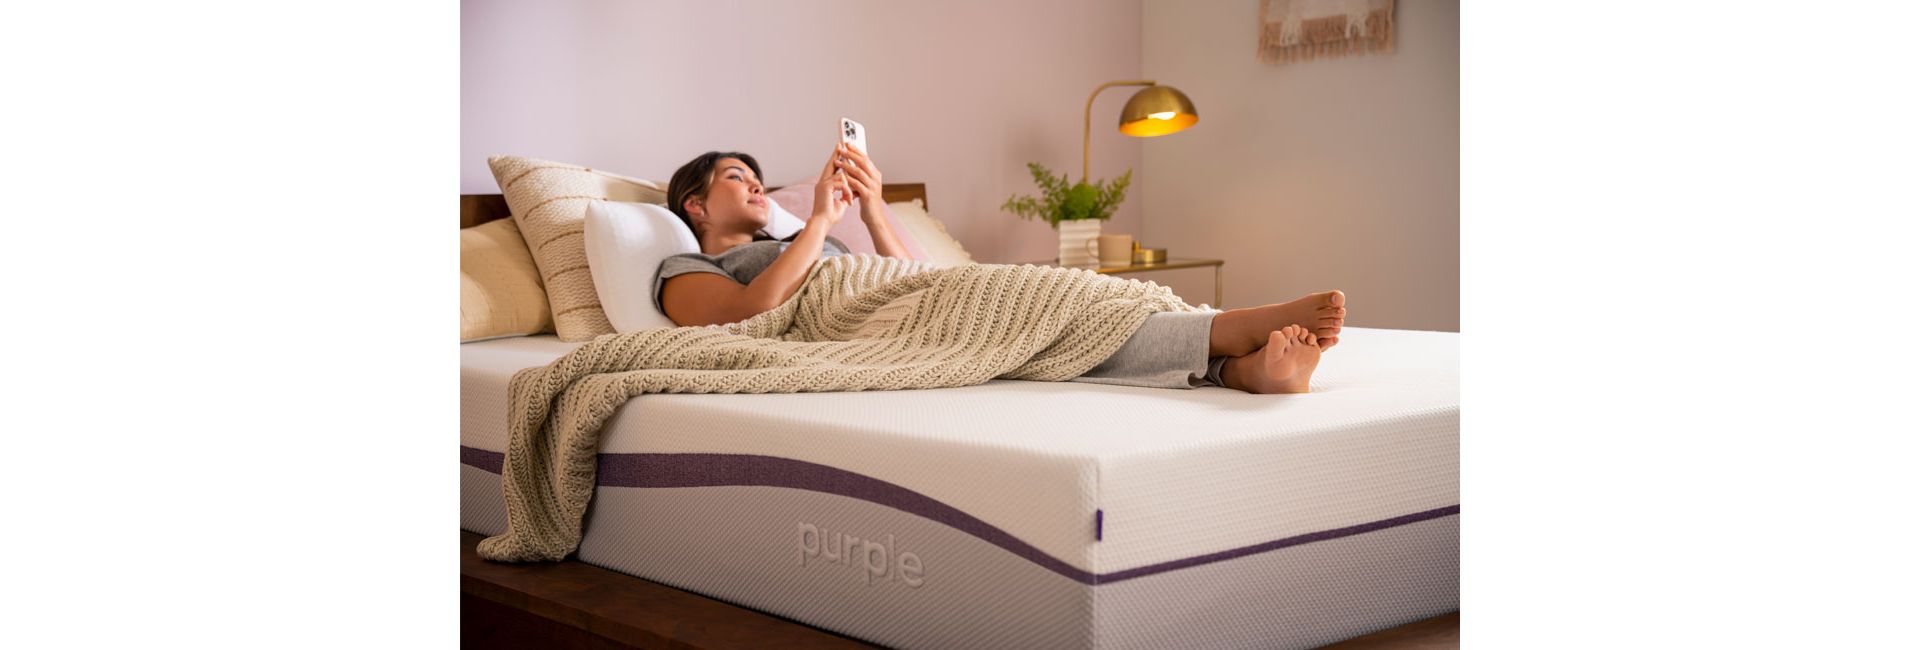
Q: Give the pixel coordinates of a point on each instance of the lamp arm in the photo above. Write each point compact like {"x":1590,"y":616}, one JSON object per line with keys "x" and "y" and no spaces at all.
{"x":1086,"y":123}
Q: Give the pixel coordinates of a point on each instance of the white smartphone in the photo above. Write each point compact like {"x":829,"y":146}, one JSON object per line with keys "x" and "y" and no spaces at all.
{"x":853,"y":133}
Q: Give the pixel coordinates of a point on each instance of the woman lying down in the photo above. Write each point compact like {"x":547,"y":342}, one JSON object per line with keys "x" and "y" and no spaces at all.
{"x":741,"y":272}
{"x":782,"y":320}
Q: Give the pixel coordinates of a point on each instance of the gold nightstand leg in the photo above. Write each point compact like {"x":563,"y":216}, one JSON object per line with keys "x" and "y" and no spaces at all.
{"x":1218,"y":288}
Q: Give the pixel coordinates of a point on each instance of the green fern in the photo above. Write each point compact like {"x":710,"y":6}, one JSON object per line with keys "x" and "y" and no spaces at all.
{"x":1060,"y":201}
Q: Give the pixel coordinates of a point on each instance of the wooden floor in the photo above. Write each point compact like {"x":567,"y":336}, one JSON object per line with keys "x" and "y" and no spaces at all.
{"x":1438,"y":633}
{"x":569,"y":605}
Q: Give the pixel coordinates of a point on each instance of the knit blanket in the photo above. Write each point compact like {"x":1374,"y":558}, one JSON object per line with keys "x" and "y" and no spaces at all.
{"x":858,"y":322}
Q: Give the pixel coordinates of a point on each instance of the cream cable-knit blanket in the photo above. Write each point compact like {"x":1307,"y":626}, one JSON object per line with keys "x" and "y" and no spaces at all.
{"x":860,"y":322}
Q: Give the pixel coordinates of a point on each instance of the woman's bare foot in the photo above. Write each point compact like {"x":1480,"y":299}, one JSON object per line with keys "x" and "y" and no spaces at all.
{"x":1238,"y":332}
{"x":1283,"y":365}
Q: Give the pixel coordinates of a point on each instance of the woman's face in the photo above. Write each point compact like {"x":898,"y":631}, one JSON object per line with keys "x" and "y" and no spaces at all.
{"x":735,"y":200}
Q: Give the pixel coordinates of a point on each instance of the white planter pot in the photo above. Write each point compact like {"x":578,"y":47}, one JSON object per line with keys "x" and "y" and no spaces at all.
{"x":1075,"y":240}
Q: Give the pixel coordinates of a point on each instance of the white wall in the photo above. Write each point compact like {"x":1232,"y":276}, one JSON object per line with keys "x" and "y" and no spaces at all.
{"x":1333,"y":174}
{"x":958,"y":95}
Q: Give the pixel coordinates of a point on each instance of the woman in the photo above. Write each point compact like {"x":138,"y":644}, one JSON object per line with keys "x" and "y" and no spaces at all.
{"x":740,"y":271}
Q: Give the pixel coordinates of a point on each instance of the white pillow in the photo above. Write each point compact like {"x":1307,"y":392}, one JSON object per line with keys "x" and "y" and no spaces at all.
{"x":625,"y":244}
{"x":780,"y":222}
{"x":942,"y":249}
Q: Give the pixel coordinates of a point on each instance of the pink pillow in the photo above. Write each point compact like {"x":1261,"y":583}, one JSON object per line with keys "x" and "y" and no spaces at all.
{"x":850,"y":230}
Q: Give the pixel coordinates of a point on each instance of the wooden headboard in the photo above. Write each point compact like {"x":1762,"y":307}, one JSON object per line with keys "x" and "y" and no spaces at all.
{"x":476,"y":209}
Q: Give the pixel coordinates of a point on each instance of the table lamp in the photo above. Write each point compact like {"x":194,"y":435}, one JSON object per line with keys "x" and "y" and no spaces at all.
{"x":1155,"y":110}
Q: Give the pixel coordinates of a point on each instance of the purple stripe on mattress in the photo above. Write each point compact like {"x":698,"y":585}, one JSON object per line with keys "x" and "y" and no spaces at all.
{"x":712,"y":470}
{"x":705,"y":470}
{"x":1295,"y":540}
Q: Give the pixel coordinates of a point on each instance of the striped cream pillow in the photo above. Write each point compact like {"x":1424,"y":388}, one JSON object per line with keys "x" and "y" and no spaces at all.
{"x":549,"y":203}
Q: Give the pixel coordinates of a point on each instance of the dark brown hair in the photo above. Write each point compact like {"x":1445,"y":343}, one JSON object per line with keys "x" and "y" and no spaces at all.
{"x":691,"y":180}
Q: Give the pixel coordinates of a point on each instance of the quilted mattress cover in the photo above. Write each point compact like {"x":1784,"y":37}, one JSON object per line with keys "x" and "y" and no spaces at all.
{"x":1032,"y":514}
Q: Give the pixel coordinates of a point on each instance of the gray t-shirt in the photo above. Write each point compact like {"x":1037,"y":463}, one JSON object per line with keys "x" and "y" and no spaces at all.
{"x":743,"y":263}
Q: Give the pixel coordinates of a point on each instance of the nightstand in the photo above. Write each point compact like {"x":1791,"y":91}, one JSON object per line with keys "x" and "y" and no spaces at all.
{"x":1139,"y":267}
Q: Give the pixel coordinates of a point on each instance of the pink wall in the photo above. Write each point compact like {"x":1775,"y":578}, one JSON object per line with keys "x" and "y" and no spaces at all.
{"x":958,"y":95}
{"x":1339,"y":173}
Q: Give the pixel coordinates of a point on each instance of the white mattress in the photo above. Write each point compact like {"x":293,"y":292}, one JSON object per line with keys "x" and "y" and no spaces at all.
{"x":1175,"y":473}
{"x":1100,"y":484}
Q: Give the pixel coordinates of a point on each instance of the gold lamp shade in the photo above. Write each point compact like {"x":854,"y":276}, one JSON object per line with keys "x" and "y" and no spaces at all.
{"x":1157,"y":110}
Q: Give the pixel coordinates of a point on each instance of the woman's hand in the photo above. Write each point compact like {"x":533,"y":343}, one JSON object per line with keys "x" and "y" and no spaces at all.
{"x":865,"y":179}
{"x":827,"y":208}
{"x":864,"y":175}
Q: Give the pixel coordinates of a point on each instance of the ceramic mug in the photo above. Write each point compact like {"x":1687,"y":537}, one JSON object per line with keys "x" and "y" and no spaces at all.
{"x":1113,"y":249}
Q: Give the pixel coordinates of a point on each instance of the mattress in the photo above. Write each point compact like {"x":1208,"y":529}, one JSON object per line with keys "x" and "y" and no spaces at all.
{"x":1031,"y":514}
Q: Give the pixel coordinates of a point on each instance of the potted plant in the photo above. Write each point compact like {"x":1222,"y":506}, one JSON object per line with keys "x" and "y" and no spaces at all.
{"x":1074,"y":210}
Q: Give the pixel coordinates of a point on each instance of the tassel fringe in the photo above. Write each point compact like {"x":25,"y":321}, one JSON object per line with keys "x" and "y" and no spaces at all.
{"x":1290,"y":38}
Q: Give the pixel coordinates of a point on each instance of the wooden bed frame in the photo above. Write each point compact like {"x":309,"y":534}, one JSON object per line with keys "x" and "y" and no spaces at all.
{"x":571,"y":604}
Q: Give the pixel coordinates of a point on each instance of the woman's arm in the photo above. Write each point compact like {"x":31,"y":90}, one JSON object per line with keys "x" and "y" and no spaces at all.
{"x":884,"y":241}
{"x":712,"y":299}
{"x":783,"y":277}
{"x":866,"y":178}
{"x":704,"y":299}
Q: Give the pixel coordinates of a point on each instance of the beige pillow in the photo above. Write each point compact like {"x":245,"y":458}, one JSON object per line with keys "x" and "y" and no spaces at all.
{"x":500,"y":292}
{"x":549,"y":203}
{"x":942,"y":249}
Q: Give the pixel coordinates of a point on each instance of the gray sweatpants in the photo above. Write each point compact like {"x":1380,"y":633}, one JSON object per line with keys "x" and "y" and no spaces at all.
{"x":1168,"y":351}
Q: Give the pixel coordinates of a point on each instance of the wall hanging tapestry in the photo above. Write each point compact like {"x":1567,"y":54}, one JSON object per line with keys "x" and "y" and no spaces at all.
{"x":1301,"y":30}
